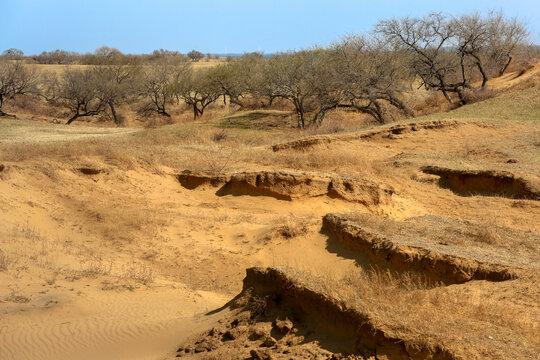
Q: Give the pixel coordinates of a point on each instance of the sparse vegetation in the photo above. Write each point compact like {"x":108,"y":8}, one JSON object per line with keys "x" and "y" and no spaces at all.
{"x":372,"y":75}
{"x":390,"y":180}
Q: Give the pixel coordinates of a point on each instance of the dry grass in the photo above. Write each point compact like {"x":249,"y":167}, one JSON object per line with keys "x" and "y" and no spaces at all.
{"x":466,"y":234}
{"x":474,"y":325}
{"x":288,"y":228}
{"x":520,"y":105}
{"x":133,"y":225}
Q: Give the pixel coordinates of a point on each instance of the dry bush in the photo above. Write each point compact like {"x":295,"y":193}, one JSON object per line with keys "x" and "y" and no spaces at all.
{"x":153,"y":121}
{"x":288,"y":227}
{"x":488,"y":234}
{"x":476,"y":95}
{"x":139,"y":272}
{"x":219,"y":135}
{"x":429,"y":103}
{"x":218,"y":159}
{"x":33,"y":105}
{"x":5,"y":261}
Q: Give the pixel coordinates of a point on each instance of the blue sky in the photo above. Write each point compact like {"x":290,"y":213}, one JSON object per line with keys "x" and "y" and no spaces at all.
{"x":226,"y":26}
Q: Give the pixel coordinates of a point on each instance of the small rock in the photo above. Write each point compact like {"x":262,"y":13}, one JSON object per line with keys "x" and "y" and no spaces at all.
{"x":228,"y":336}
{"x":258,"y":332}
{"x":234,"y":333}
{"x":200,"y":348}
{"x":269,"y":342}
{"x":255,"y":355}
{"x":511,"y":161}
{"x":259,"y":355}
{"x":283,"y":326}
{"x":295,"y":340}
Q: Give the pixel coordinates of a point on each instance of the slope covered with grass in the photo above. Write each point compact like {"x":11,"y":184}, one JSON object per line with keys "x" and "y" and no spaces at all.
{"x":519,"y":105}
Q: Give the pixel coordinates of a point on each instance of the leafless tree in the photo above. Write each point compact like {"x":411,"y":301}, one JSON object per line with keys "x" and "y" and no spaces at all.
{"x":74,"y":89}
{"x":370,"y":75}
{"x":472,"y":39}
{"x":13,"y":54}
{"x":195,"y":55}
{"x":115,"y":83}
{"x":444,"y":51}
{"x":198,"y":91}
{"x":237,"y":79}
{"x":15,"y":79}
{"x":158,"y":84}
{"x":304,"y":79}
{"x":505,"y":36}
{"x":56,"y":57}
{"x":429,"y":41}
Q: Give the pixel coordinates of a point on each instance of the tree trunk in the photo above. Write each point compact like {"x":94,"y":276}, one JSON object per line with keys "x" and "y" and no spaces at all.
{"x":113,"y":113}
{"x":2,"y":113}
{"x":505,"y":66}
{"x":484,"y":76}
{"x":445,"y":93}
{"x":195,"y":111}
{"x":461,"y":96}
{"x":75,"y":116}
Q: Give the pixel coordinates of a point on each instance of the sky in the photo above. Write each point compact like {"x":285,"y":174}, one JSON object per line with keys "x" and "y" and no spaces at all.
{"x":233,"y":26}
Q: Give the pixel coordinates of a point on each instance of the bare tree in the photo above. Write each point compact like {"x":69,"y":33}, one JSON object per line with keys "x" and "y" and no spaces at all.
{"x":371,"y":75}
{"x":114,"y":83}
{"x":15,"y":79}
{"x":237,"y":79}
{"x":14,"y":54}
{"x":429,"y":41}
{"x":305,"y":80}
{"x":74,"y":89}
{"x":195,"y":55}
{"x":445,"y":51}
{"x":505,"y":36}
{"x":56,"y":57}
{"x":159,"y":84}
{"x":472,"y":39}
{"x":198,"y":91}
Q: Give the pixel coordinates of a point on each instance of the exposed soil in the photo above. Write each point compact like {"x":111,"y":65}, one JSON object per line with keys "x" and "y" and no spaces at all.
{"x":385,"y":132}
{"x":281,"y":318}
{"x":108,"y":252}
{"x":90,"y":171}
{"x":485,"y":182}
{"x":290,"y":186}
{"x":439,"y":248}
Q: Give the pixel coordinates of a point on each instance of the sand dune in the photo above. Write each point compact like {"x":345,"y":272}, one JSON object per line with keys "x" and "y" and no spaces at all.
{"x":106,"y":325}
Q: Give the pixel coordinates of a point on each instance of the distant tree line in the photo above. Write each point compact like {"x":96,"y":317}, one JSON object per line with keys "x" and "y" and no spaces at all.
{"x":369,"y":74}
{"x":62,"y":57}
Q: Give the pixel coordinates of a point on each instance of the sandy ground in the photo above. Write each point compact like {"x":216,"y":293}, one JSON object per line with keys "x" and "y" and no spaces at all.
{"x":126,"y":262}
{"x":100,"y":259}
{"x":16,"y":131}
